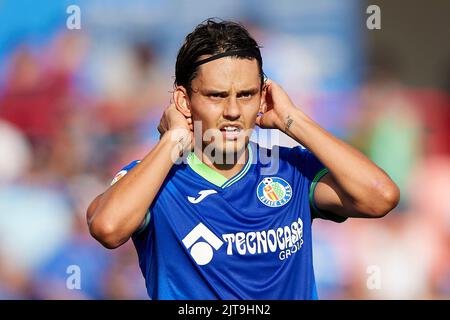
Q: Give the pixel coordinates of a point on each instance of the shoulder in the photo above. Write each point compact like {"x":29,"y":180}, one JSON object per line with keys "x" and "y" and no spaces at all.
{"x":124,"y":170}
{"x":295,"y":159}
{"x":293,"y":155}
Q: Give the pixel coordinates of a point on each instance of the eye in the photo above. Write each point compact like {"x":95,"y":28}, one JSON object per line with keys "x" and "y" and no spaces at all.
{"x":216,"y":95}
{"x":246,"y":95}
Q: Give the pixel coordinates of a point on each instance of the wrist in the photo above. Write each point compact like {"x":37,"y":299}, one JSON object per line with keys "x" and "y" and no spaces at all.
{"x":294,"y":123}
{"x":289,"y":119}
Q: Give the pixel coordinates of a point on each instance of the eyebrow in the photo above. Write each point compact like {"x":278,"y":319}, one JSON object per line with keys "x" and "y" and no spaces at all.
{"x":208,"y":92}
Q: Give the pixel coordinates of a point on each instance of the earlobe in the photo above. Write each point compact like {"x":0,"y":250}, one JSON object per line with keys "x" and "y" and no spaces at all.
{"x":182,"y":101}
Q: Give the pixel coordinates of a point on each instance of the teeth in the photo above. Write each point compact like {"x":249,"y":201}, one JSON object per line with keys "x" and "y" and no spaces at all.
{"x":231,"y":128}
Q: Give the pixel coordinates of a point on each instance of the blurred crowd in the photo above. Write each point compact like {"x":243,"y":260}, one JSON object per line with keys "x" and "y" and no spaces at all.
{"x":70,"y":119}
{"x":405,"y":255}
{"x":60,"y":147}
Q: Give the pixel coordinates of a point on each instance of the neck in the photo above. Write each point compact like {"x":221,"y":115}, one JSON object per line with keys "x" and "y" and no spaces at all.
{"x":227,"y":165}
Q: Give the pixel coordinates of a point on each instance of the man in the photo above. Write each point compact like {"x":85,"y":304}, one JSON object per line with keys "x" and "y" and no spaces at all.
{"x":223,"y":224}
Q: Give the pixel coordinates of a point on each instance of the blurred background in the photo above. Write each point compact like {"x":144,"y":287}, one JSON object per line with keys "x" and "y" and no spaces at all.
{"x":77,"y":105}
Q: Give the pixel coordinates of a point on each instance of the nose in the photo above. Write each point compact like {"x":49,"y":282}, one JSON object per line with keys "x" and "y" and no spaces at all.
{"x":232,"y":110}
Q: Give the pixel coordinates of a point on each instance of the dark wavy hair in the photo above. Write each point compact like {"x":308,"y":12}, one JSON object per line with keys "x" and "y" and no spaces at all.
{"x":211,"y":37}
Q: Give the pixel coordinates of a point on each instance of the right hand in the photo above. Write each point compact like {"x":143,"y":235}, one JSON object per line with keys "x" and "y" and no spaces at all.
{"x":179,"y":125}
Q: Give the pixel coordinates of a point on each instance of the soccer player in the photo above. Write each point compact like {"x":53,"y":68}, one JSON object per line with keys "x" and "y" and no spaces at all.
{"x":220,"y":217}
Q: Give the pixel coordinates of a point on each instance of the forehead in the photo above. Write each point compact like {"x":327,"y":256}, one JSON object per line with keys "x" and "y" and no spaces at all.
{"x":227,"y":72}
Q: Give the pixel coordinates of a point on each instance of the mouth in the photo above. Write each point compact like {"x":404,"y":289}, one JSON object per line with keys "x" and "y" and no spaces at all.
{"x":231,"y":132}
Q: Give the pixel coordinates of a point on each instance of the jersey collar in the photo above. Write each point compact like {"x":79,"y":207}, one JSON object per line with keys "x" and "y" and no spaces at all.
{"x":213,"y":176}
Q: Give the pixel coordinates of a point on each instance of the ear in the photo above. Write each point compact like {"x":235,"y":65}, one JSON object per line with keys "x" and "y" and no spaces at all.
{"x":182,"y":101}
{"x":263,"y":104}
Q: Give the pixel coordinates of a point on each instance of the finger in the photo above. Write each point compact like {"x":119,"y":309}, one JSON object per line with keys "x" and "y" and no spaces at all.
{"x":192,"y":142}
{"x":162,"y":127}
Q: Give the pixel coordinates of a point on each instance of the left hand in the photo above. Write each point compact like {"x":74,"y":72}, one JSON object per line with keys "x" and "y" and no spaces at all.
{"x":276,"y":108}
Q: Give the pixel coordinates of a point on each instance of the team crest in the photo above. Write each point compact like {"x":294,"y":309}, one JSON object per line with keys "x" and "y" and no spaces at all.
{"x":274,"y":192}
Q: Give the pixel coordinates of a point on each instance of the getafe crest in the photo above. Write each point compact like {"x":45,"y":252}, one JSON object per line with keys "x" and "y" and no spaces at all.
{"x":274,"y":192}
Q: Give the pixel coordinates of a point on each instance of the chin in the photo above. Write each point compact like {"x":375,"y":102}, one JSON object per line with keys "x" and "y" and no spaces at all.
{"x":230,"y":149}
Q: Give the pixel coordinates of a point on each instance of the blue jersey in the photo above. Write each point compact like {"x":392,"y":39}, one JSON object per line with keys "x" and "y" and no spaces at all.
{"x":247,"y":237}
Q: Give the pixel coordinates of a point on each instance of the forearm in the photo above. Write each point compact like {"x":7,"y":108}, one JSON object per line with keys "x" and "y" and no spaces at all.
{"x":359,"y":178}
{"x":122,"y":208}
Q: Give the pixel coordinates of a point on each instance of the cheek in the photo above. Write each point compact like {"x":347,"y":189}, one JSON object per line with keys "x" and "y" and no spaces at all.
{"x":250,"y":113}
{"x":207,"y":114}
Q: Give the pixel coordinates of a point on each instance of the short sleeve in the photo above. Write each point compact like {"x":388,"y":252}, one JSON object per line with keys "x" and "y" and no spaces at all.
{"x":119,"y":175}
{"x":313,"y":170}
